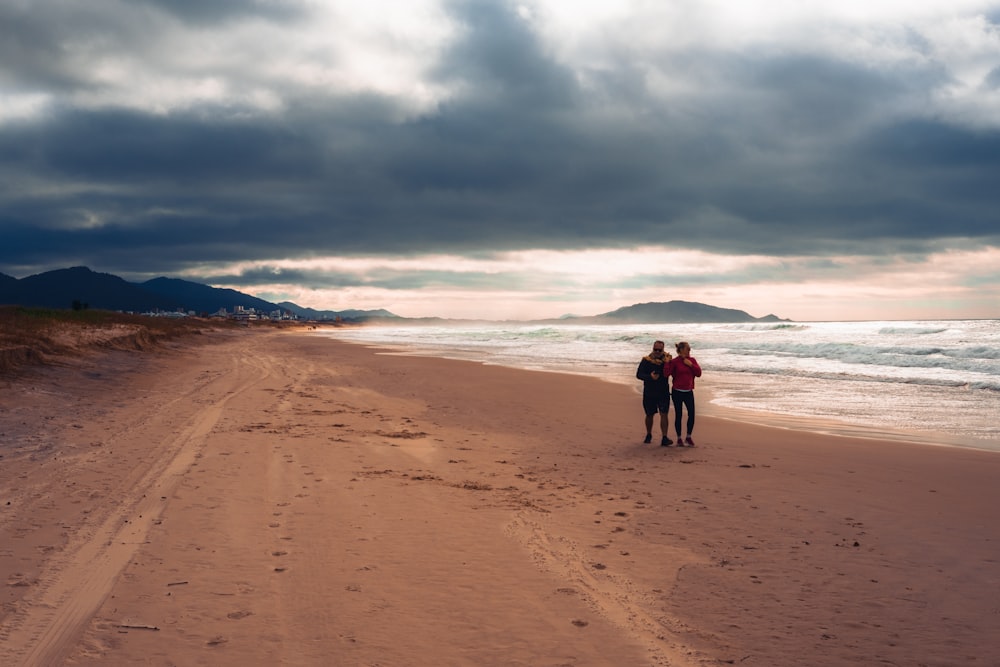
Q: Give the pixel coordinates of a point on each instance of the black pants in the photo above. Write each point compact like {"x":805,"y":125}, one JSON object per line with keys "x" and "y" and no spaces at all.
{"x":683,"y":399}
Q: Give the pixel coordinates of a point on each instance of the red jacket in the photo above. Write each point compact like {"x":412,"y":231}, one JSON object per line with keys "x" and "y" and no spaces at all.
{"x":683,"y":374}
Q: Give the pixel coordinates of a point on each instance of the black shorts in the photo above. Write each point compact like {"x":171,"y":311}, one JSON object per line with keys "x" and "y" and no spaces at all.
{"x":652,"y":403}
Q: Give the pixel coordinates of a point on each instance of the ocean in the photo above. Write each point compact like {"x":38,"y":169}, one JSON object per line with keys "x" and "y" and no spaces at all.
{"x":929,"y":381}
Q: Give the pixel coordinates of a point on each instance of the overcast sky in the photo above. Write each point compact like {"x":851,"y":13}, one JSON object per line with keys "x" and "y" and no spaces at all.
{"x":816,"y":160}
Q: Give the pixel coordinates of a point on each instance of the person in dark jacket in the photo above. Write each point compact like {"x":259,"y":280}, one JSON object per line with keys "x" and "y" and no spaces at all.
{"x":655,"y":391}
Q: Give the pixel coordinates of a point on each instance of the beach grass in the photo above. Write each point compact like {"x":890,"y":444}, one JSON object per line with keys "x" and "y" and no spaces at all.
{"x":32,"y":336}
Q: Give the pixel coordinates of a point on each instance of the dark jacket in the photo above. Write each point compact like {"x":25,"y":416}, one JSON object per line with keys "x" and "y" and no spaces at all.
{"x":651,"y":387}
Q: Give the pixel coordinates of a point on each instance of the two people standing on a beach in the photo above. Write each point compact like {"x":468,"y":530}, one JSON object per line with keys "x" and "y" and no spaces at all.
{"x":656,"y":371}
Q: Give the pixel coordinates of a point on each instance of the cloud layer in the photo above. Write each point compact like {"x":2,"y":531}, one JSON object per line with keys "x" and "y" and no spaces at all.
{"x":231,"y":140}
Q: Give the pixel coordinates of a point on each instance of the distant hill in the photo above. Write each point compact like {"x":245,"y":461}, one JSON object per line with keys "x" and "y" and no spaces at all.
{"x":351,"y":314}
{"x":8,"y":289}
{"x":81,"y":287}
{"x":204,"y":299}
{"x":64,"y":288}
{"x":675,"y":312}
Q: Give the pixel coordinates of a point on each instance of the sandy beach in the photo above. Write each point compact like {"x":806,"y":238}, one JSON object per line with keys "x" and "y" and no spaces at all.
{"x":276,"y":498}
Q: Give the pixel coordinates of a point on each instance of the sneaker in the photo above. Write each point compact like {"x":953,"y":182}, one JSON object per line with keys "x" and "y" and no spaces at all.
{"x":666,"y":442}
{"x":648,"y":439}
{"x":689,"y":441}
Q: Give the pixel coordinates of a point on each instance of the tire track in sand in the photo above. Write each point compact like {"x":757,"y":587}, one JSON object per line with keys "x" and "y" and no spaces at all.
{"x":77,"y":581}
{"x":612,"y":596}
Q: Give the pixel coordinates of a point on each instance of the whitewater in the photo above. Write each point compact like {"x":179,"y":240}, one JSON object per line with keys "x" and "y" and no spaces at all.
{"x":929,"y":381}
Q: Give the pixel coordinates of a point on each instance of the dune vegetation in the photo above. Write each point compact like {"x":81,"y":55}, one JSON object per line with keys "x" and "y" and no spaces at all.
{"x":31,"y":336}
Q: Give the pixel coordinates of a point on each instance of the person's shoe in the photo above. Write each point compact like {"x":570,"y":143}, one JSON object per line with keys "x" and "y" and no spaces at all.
{"x":648,"y":439}
{"x":689,"y":441}
{"x":666,"y":442}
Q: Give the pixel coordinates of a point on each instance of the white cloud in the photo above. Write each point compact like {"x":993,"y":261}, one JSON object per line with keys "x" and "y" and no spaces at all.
{"x":665,"y":42}
{"x":22,"y":106}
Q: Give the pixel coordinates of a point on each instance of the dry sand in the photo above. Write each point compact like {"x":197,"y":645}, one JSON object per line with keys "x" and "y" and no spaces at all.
{"x":282,"y":499}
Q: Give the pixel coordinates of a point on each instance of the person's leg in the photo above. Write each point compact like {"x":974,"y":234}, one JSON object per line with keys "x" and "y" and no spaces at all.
{"x":688,"y":399}
{"x":663,"y":405}
{"x":678,"y":404}
{"x":690,"y":408}
{"x":665,"y":440}
{"x":649,"y":407}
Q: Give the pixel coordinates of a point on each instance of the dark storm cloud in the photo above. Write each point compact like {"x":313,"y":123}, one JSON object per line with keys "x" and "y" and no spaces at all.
{"x":505,"y":61}
{"x":34,"y":53}
{"x":302,"y":277}
{"x":775,"y":153}
{"x":380,"y":278}
{"x":212,"y":13}
{"x":140,"y":150}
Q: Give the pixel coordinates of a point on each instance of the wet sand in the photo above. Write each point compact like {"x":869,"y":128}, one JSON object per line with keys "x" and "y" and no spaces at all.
{"x":278,"y":498}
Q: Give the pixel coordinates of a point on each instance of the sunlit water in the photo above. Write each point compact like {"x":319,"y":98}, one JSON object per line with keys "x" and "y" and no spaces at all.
{"x":939,"y":380}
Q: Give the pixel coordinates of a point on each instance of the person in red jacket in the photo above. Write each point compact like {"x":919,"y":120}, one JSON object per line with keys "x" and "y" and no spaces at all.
{"x":683,"y":369}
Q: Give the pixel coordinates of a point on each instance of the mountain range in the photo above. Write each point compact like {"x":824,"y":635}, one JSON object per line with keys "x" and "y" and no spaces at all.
{"x":80,"y":287}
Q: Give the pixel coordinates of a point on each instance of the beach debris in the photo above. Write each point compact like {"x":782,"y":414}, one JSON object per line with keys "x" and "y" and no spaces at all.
{"x":404,"y":434}
{"x":133,"y":626}
{"x":18,"y":580}
{"x":475,"y":486}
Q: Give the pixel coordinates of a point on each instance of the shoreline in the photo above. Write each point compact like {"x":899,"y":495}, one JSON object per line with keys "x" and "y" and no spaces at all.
{"x":276,"y":496}
{"x":820,"y":425}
